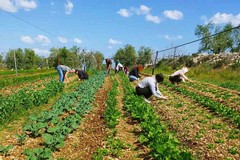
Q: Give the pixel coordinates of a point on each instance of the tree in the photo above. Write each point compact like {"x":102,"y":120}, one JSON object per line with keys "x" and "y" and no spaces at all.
{"x":236,"y":41}
{"x":144,"y":55}
{"x":99,"y":58}
{"x":222,"y":41}
{"x":1,"y":60}
{"x":201,"y":32}
{"x":53,"y":57}
{"x":126,"y":56}
{"x":30,"y":59}
{"x":19,"y":59}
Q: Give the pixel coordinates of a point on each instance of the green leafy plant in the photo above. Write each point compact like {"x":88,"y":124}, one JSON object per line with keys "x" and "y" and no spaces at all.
{"x":38,"y":153}
{"x":5,"y":149}
{"x":21,"y":138}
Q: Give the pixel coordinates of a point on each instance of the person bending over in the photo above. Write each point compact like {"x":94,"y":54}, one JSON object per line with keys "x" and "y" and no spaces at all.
{"x":63,"y":71}
{"x":149,"y":86}
{"x":134,"y":73}
{"x":179,"y":76}
{"x":81,"y":74}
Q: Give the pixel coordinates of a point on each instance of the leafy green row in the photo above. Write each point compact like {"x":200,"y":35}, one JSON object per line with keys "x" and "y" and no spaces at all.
{"x":217,"y":107}
{"x":111,"y":113}
{"x":9,"y":73}
{"x":219,"y":93}
{"x":63,"y":118}
{"x":114,"y":145}
{"x":19,"y":80}
{"x":25,"y":99}
{"x":163,"y":145}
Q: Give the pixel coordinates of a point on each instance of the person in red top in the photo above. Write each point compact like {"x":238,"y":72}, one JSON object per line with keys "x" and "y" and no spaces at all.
{"x":125,"y":69}
{"x":108,"y":63}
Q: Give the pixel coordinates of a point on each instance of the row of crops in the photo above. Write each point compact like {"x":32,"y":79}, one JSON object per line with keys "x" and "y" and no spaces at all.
{"x":53,"y":125}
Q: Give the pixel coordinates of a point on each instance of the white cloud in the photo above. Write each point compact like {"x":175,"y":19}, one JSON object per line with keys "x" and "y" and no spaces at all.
{"x":62,"y":39}
{"x":114,"y":42}
{"x":223,"y":18}
{"x":41,"y":52}
{"x":173,"y":14}
{"x":42,"y":39}
{"x":142,"y":10}
{"x":172,"y":37}
{"x":68,"y":7}
{"x":15,"y":5}
{"x":27,"y":4}
{"x":77,"y":40}
{"x":124,"y":13}
{"x":7,"y":5}
{"x":151,"y":18}
{"x":27,"y":39}
{"x":110,"y":47}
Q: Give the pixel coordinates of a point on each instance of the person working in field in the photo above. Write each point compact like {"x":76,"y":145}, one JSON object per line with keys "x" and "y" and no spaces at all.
{"x":81,"y":74}
{"x":134,"y":73}
{"x":118,"y":67}
{"x":179,"y":76}
{"x":108,"y":64}
{"x":63,"y":72}
{"x":149,"y":86}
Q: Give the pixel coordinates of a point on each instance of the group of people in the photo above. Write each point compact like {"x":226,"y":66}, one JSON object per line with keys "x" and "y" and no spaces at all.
{"x":146,"y":87}
{"x":149,"y":85}
{"x":64,"y":70}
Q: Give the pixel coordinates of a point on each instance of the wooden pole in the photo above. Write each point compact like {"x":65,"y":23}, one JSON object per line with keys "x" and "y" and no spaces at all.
{"x":155,"y":63}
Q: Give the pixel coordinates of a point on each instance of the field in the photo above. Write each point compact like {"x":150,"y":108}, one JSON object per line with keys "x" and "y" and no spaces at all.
{"x":102,"y":118}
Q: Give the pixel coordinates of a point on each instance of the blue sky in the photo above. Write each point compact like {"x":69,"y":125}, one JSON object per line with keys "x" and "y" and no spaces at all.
{"x":107,"y":25}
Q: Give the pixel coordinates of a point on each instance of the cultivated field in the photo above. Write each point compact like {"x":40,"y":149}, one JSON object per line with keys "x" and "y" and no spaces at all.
{"x":102,"y":118}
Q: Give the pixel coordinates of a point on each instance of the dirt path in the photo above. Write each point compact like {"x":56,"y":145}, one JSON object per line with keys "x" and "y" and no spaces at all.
{"x":127,"y":131}
{"x":81,"y":144}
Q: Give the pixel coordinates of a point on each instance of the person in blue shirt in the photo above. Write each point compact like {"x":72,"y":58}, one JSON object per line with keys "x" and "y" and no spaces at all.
{"x":63,"y":71}
{"x":149,"y":86}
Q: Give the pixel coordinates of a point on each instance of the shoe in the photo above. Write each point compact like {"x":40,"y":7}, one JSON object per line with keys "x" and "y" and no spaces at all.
{"x":146,"y":100}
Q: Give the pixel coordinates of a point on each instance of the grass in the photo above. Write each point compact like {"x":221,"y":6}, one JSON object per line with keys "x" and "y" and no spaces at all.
{"x":224,"y":77}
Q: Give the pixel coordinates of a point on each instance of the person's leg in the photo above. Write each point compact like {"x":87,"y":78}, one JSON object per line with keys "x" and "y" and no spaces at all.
{"x":60,"y":72}
{"x":64,"y":73}
{"x":132,"y":78}
{"x":175,"y":79}
{"x":178,"y":79}
{"x":146,"y":92}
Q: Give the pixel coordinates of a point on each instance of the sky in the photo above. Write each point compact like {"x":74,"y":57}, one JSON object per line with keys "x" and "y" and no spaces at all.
{"x":107,"y":25}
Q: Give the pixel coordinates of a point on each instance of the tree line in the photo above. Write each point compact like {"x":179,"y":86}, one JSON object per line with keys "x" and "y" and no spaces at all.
{"x":228,"y":40}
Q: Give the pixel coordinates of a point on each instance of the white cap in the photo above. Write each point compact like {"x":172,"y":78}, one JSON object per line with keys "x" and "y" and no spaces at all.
{"x":185,"y":69}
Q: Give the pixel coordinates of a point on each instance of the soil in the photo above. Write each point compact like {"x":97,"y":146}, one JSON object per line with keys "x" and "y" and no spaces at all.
{"x":90,"y":135}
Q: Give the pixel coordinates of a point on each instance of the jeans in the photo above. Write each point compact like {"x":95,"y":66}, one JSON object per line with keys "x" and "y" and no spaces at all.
{"x":132,"y":78}
{"x":61,"y":74}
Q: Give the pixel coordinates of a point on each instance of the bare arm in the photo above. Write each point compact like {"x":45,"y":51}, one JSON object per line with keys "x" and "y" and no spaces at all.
{"x":66,"y":76}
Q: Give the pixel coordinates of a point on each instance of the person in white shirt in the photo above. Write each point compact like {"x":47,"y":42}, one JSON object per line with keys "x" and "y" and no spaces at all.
{"x":149,"y":86}
{"x":179,"y":76}
{"x":118,"y":67}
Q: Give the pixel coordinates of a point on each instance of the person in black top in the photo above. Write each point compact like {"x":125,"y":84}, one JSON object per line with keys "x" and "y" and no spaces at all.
{"x":81,"y":74}
{"x":134,"y":73}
